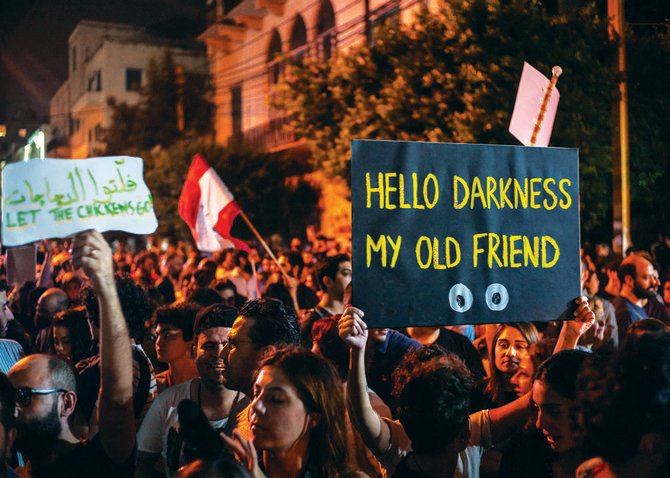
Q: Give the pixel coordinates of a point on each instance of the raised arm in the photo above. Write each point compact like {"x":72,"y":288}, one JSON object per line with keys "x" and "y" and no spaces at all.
{"x":375,"y":432}
{"x":116,"y":421}
{"x":572,"y":330}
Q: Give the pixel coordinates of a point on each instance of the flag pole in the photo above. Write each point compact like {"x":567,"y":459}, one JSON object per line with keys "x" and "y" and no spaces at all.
{"x":555,"y":73}
{"x":265,"y":245}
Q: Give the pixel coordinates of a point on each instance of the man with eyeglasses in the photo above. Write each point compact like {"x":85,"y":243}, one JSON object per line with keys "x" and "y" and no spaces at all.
{"x":159,"y":436}
{"x":46,"y":390}
{"x":263,"y":326}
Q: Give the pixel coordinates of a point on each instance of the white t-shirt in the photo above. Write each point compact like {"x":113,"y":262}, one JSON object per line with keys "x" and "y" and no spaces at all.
{"x":468,"y":460}
{"x":159,"y":432}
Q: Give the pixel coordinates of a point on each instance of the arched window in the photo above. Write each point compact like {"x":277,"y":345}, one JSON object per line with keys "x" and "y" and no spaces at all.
{"x":298,"y":36}
{"x":325,"y":29}
{"x":274,"y":51}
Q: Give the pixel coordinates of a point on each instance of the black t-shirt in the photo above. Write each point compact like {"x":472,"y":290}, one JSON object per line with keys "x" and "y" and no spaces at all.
{"x":87,"y":460}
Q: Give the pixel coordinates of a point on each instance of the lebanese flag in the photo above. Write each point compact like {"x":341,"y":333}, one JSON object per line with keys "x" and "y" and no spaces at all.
{"x":208,"y":207}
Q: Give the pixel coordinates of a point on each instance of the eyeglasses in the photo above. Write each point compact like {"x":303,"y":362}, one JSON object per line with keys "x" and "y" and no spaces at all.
{"x":24,"y":395}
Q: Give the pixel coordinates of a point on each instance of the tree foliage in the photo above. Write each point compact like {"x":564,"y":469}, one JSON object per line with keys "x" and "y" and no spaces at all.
{"x":452,"y":76}
{"x":257,"y":180}
{"x":649,"y":112}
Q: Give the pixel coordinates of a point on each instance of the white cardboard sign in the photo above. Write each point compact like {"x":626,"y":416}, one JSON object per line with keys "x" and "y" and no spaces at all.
{"x":59,"y":197}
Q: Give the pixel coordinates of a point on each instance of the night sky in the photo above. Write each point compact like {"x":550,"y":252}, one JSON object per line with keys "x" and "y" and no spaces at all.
{"x":34,"y":33}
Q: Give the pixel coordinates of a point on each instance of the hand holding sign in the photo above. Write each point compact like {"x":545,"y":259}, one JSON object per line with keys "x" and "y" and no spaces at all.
{"x":352,"y":330}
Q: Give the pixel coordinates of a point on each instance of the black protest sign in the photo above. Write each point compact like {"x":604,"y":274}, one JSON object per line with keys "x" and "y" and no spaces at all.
{"x":449,"y":234}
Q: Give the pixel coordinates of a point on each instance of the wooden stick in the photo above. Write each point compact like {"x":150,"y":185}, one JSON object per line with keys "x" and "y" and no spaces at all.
{"x":555,"y":73}
{"x":267,"y":248}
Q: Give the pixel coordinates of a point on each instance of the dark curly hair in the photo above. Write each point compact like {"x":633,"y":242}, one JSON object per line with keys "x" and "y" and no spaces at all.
{"x":75,"y":320}
{"x":560,"y":372}
{"x":135,"y":305}
{"x":273,"y":323}
{"x":410,"y":362}
{"x":433,"y":405}
{"x":180,"y":316}
{"x":216,"y":315}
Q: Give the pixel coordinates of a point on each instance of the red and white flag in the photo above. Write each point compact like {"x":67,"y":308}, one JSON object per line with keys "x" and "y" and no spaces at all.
{"x":208,"y":207}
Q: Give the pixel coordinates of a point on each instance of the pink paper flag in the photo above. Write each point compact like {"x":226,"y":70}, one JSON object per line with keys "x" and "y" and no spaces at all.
{"x":529,"y":98}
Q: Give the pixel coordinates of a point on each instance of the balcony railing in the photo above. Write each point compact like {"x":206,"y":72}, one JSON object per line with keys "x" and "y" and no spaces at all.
{"x":270,"y":135}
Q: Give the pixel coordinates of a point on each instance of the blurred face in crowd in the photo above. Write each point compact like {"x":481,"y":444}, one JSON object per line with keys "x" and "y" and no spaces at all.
{"x":285,"y":264}
{"x":228,"y":296}
{"x":148,"y":266}
{"x":228,"y":262}
{"x":655,"y":281}
{"x":643,"y":286}
{"x":378,"y":335}
{"x":296,"y":244}
{"x":342,"y":277}
{"x":211,"y":346}
{"x":510,"y":349}
{"x":170,"y":343}
{"x":592,"y":284}
{"x":62,"y":342}
{"x":72,"y":290}
{"x":5,"y":312}
{"x":278,"y":417}
{"x":666,"y":292}
{"x":522,"y":380}
{"x":553,"y":417}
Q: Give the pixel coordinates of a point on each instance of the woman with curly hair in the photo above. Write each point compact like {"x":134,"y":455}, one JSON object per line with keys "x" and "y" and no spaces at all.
{"x":297,"y":419}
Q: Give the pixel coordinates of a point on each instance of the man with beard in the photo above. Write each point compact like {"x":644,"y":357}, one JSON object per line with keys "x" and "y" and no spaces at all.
{"x":159,"y":436}
{"x":7,"y":429}
{"x":46,"y":398}
{"x":636,"y":275}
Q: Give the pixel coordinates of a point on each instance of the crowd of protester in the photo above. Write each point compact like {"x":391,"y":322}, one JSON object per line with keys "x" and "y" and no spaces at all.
{"x":170,"y":363}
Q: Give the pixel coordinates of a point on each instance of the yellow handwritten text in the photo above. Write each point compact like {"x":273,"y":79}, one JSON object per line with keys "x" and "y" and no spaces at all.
{"x":512,"y":193}
{"x":380,"y":247}
{"x":514,"y":251}
{"x":393,"y":190}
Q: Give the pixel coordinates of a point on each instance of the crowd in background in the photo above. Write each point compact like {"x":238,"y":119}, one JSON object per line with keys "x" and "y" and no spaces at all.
{"x":239,"y":365}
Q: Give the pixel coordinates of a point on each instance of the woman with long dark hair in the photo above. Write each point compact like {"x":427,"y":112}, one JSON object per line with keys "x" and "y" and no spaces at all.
{"x":510,"y":346}
{"x":72,"y":340}
{"x":297,"y":419}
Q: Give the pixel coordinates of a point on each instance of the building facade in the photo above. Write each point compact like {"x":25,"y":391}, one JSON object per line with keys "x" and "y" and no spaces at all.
{"x":246,"y":40}
{"x":106,"y":61}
